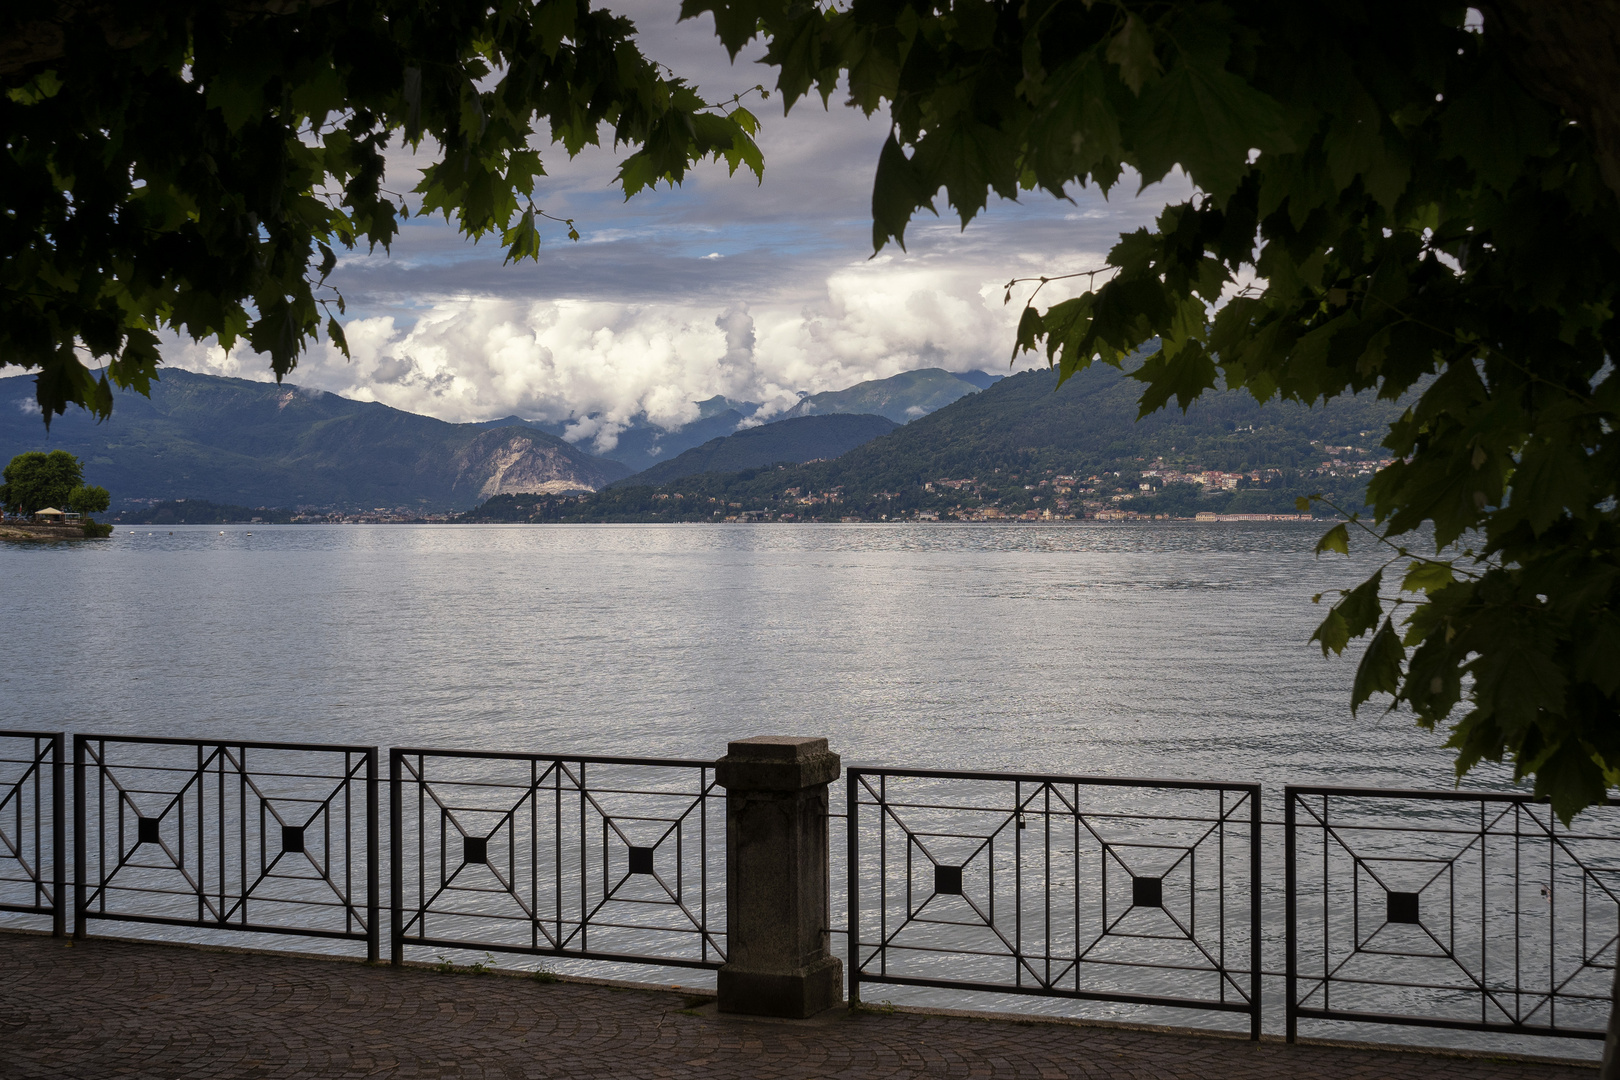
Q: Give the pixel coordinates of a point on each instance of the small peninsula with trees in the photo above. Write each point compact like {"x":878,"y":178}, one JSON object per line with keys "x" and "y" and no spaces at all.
{"x":45,"y":498}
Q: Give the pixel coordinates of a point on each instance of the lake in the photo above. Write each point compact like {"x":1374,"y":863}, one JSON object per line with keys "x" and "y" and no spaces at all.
{"x":1168,"y":649}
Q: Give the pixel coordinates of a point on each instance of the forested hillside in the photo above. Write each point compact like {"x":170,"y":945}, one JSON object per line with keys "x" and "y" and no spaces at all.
{"x":1008,"y":450}
{"x":805,"y":438}
{"x":902,"y":398}
{"x":233,"y":441}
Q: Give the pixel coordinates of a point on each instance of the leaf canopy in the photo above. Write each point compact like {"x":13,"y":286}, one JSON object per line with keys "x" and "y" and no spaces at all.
{"x":1387,"y":198}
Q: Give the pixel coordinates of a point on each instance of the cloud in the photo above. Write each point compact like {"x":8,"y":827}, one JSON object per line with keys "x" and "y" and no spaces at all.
{"x":723,"y":286}
{"x":604,"y":363}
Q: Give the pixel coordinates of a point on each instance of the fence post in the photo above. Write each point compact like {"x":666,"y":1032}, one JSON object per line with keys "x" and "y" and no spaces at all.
{"x":1255,"y":985}
{"x":778,"y":907}
{"x":852,"y":876}
{"x":78,"y":838}
{"x":1290,"y":889}
{"x":373,"y":900}
{"x":59,"y":900}
{"x":396,"y":861}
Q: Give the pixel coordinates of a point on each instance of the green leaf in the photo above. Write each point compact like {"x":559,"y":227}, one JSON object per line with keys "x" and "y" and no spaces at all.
{"x":734,"y":23}
{"x":523,"y":239}
{"x":41,"y":87}
{"x":1596,"y":653}
{"x":1570,"y":779}
{"x":1515,"y":678}
{"x":1379,"y":671}
{"x":554,"y":21}
{"x":1427,"y":576}
{"x":1361,"y":606}
{"x":1205,"y":119}
{"x":1131,"y":50}
{"x":237,"y":99}
{"x":1549,"y":480}
{"x":1494,"y":126}
{"x":1031,"y":329}
{"x":335,"y":332}
{"x":1332,"y":633}
{"x":1335,"y":539}
{"x":897,"y":190}
{"x":1183,"y":376}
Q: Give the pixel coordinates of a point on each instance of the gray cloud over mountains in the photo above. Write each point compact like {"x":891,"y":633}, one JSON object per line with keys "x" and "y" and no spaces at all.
{"x":720,"y":286}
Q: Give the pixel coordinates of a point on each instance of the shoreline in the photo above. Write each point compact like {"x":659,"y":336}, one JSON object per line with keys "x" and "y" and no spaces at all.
{"x":10,"y":531}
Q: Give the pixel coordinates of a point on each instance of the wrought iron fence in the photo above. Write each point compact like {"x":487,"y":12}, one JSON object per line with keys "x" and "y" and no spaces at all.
{"x":33,"y":833}
{"x":272,"y":838}
{"x":1467,"y":910}
{"x":604,"y":858}
{"x":1142,"y":892}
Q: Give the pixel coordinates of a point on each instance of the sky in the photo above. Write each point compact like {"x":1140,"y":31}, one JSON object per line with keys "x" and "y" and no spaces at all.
{"x":754,"y":291}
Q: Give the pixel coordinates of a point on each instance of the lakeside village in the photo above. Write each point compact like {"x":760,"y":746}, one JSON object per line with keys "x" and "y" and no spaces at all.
{"x":1156,"y":492}
{"x":1004,"y":497}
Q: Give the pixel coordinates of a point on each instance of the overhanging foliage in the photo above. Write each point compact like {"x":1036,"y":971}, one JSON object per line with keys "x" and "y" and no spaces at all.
{"x":1381,"y":197}
{"x":198,"y":165}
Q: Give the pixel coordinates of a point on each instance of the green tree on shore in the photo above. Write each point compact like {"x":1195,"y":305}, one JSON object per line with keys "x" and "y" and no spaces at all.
{"x":87,"y":499}
{"x":35,"y":480}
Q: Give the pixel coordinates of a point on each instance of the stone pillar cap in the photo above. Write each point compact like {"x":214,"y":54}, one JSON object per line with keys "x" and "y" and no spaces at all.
{"x":775,"y":748}
{"x":777,"y":763}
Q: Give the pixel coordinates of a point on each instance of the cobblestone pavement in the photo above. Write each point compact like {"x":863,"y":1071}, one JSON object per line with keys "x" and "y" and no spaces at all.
{"x":118,"y":1009}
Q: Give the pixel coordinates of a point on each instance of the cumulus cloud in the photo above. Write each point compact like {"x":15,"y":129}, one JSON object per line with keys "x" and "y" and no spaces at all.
{"x":754,"y":292}
{"x":603,"y":363}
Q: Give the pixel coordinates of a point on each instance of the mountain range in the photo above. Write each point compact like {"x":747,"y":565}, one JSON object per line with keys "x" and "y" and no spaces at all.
{"x":242,"y":443}
{"x":1000,"y":447}
{"x":641,"y":444}
{"x":901,"y":398}
{"x":260,"y":444}
{"x":796,"y":440}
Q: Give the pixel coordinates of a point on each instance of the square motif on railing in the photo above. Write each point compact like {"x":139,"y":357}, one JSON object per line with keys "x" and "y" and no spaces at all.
{"x":146,"y":830}
{"x":641,"y":860}
{"x":1147,"y":892}
{"x":1401,"y":907}
{"x":948,"y":879}
{"x":475,"y":849}
{"x":292,"y":839}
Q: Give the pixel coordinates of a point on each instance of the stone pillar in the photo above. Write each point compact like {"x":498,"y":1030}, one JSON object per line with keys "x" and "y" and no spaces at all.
{"x":777,"y":905}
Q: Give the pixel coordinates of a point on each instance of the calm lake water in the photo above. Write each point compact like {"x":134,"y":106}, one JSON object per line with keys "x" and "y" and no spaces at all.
{"x":1163,"y":650}
{"x":1166,"y":650}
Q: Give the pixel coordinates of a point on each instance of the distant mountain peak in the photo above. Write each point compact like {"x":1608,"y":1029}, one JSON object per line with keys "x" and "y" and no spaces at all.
{"x":248,"y":443}
{"x":902,"y":398}
{"x":798,"y":440}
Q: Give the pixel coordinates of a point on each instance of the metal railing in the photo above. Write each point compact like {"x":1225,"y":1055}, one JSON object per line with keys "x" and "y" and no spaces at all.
{"x":1142,"y":892}
{"x":33,"y":832}
{"x":603,"y":858}
{"x":1467,"y":910}
{"x":271,"y":838}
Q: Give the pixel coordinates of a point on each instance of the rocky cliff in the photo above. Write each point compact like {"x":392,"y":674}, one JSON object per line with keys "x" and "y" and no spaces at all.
{"x":521,"y":461}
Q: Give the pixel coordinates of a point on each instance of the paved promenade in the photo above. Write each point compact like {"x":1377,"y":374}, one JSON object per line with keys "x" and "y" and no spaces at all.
{"x":115,"y":1009}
